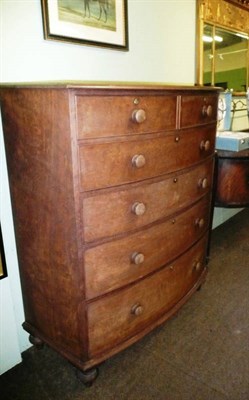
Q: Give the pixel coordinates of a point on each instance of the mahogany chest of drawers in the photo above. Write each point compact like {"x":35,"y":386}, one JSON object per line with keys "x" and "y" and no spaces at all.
{"x":111,"y":196}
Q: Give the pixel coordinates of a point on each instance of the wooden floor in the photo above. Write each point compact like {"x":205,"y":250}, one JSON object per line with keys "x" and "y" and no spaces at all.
{"x":200,"y":354}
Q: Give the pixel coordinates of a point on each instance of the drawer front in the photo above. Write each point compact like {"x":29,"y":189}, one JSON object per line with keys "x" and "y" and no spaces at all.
{"x":197,"y":110}
{"x":116,"y":317}
{"x":117,"y":263}
{"x":115,"y":163}
{"x":102,"y":116}
{"x":109,"y":213}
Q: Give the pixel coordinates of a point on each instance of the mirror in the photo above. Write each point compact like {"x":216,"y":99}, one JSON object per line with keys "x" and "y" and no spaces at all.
{"x":223,"y":46}
{"x":224,"y":58}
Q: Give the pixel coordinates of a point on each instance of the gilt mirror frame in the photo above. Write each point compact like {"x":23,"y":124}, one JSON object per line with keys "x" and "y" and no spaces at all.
{"x":230,"y":15}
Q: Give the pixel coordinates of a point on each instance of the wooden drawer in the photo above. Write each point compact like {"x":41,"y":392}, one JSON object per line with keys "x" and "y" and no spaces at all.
{"x":111,"y":212}
{"x":102,"y":116}
{"x":118,"y":316}
{"x":115,"y":264}
{"x":197,"y":110}
{"x":119,"y":162}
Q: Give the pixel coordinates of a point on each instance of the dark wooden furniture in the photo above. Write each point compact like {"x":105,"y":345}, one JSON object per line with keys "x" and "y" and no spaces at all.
{"x":232,"y":179}
{"x":111,"y":195}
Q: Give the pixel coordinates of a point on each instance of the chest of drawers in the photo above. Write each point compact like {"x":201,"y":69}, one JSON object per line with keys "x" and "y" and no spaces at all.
{"x":111,"y":196}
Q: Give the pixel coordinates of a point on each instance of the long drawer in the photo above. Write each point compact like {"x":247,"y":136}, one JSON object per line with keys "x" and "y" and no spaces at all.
{"x":118,"y":316}
{"x":111,"y":212}
{"x":102,"y":116}
{"x":111,"y":265}
{"x":118,"y":162}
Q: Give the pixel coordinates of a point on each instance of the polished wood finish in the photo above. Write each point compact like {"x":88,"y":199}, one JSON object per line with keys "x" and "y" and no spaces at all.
{"x":197,"y":110}
{"x":158,"y":247}
{"x":109,"y":163}
{"x":232,"y":179}
{"x":155,"y":295}
{"x":111,"y":196}
{"x":124,"y":115}
{"x":161,"y":198}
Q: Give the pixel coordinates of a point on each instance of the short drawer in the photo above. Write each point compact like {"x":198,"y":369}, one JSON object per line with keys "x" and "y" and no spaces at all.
{"x":116,"y":317}
{"x":111,"y":212}
{"x":114,"y":264}
{"x":102,"y":116}
{"x":118,"y":162}
{"x":197,"y":110}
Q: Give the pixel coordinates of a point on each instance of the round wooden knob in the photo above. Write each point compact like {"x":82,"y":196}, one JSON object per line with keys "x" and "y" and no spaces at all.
{"x":139,"y":116}
{"x":207,"y":111}
{"x":138,"y":208}
{"x":137,"y":309}
{"x":138,"y":160}
{"x":203,"y":183}
{"x":199,"y":222}
{"x":137,"y":258}
{"x":205,"y":145}
{"x":196,"y":266}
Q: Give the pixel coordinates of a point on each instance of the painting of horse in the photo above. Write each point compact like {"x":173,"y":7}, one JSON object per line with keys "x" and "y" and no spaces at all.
{"x":95,"y":13}
{"x":102,"y":19}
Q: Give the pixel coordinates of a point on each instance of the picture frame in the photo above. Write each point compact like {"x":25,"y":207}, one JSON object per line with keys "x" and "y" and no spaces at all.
{"x":102,"y":23}
{"x":240,"y":3}
{"x":3,"y":268}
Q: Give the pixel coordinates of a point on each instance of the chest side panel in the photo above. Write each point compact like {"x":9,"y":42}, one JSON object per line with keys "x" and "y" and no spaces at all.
{"x":39,"y":157}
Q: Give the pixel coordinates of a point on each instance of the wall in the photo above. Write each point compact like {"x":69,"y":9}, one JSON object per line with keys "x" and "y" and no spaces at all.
{"x":157,"y":31}
{"x":9,"y":287}
{"x":162,"y":49}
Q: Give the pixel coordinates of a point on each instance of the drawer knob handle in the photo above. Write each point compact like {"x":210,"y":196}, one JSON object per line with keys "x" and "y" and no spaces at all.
{"x":137,"y":258}
{"x":203,"y":183}
{"x":139,"y":116}
{"x":137,"y":309}
{"x":199,"y":222}
{"x":207,"y":111}
{"x":138,"y":208}
{"x":196,"y":266}
{"x":205,"y":145}
{"x":138,"y":160}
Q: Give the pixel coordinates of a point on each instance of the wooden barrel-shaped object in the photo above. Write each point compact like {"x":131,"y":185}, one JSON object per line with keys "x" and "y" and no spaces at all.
{"x":232,"y":186}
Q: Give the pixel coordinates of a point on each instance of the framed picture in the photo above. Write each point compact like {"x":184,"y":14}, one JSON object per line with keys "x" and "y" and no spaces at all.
{"x":90,"y":22}
{"x":3,"y":270}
